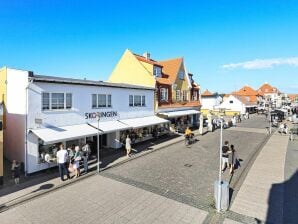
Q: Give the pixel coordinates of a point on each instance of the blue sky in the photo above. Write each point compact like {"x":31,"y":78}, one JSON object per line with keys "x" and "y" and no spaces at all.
{"x":226,"y":44}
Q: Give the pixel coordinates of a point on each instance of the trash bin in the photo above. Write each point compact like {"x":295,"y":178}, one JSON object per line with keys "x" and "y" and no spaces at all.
{"x":224,"y":205}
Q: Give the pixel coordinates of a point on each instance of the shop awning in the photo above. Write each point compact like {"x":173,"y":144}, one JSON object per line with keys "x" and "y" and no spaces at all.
{"x":179,"y":113}
{"x":53,"y":134}
{"x":144,"y":121}
{"x":110,"y":126}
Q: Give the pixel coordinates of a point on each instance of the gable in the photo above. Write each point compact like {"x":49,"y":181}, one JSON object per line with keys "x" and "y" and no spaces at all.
{"x":130,"y":70}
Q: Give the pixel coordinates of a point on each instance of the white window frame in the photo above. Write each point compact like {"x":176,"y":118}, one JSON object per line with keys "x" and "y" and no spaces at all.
{"x":50,"y":101}
{"x":178,"y":95}
{"x":108,"y":101}
{"x":164,"y":94}
{"x":133,"y":103}
{"x":157,"y":71}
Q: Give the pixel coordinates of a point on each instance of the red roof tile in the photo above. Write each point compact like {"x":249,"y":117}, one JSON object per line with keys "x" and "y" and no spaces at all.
{"x":207,"y":93}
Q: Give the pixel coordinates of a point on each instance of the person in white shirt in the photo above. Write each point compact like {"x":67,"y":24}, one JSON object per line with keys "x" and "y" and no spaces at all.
{"x":62,"y":159}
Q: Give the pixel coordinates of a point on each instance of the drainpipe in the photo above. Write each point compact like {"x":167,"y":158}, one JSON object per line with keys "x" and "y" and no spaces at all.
{"x":26,"y":130}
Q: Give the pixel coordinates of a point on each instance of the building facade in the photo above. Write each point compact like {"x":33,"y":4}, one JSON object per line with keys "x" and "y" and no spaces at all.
{"x":177,"y":95}
{"x":42,"y":111}
{"x":210,"y":102}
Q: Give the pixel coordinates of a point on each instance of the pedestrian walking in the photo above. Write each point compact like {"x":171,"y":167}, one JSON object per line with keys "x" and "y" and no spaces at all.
{"x":12,"y":168}
{"x":16,"y":172}
{"x":128,"y":146}
{"x":76,"y":162}
{"x":232,"y":159}
{"x":62,"y":157}
{"x":225,"y":156}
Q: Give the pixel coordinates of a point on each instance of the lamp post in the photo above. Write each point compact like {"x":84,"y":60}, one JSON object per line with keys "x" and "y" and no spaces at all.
{"x":98,"y":162}
{"x":218,"y":207}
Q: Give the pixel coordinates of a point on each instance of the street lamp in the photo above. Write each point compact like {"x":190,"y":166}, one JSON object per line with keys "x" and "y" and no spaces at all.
{"x":218,"y":201}
{"x":98,"y":162}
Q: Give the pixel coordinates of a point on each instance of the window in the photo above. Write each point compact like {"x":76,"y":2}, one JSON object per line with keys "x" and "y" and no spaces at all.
{"x":181,"y":75}
{"x":68,"y":100}
{"x":130,"y":100}
{"x":178,"y":95}
{"x":231,"y":101}
{"x":137,"y":101}
{"x":195,"y":95}
{"x":45,"y":101}
{"x":109,"y":100}
{"x":56,"y":101}
{"x":184,"y":95}
{"x":94,"y":100}
{"x":157,"y":71}
{"x":163,"y":94}
{"x":101,"y":100}
{"x":143,"y":101}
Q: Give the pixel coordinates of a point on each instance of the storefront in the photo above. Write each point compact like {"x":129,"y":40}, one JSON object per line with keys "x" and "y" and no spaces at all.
{"x":181,"y":119}
{"x":53,"y":110}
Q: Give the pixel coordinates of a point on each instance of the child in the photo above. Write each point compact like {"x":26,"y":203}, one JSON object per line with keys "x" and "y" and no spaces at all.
{"x":16,"y":172}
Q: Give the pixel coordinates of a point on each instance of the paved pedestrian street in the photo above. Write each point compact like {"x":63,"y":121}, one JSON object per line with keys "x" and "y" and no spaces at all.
{"x":101,"y":200}
{"x":170,"y":185}
{"x":187,"y":174}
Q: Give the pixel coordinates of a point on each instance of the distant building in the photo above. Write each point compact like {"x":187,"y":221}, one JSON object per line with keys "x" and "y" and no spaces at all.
{"x":210,"y":101}
{"x":236,"y":105}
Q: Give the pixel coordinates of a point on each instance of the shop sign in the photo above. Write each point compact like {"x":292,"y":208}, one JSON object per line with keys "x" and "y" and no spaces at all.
{"x":101,"y":114}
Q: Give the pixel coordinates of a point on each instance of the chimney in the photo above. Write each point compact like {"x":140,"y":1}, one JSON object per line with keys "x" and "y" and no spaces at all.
{"x":147,"y":55}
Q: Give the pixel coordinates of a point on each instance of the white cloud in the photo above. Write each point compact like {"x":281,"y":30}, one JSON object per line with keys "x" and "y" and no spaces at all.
{"x":263,"y":63}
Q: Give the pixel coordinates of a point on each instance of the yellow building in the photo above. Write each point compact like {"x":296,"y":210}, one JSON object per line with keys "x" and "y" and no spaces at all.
{"x":177,"y":95}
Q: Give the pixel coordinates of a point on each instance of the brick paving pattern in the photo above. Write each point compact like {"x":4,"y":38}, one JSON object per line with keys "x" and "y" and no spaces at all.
{"x":102,"y":200}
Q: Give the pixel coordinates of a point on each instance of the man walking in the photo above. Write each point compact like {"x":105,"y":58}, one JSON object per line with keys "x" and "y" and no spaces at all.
{"x":62,"y":159}
{"x":225,"y":156}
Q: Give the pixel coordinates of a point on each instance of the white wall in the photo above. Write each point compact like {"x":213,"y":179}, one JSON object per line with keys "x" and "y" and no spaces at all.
{"x":14,"y":134}
{"x":210,"y":102}
{"x":237,"y":105}
{"x":82,"y":103}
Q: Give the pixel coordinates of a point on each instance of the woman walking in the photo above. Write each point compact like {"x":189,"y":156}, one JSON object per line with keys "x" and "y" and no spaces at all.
{"x":128,"y":146}
{"x":76,"y":163}
{"x":232,"y":159}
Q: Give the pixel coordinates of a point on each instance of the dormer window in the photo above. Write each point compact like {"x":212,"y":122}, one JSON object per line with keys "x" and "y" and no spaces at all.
{"x":157,"y":71}
{"x":181,"y":75}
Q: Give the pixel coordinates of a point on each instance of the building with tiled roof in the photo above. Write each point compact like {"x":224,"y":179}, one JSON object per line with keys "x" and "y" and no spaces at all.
{"x":293,"y":98}
{"x":248,"y":93}
{"x":237,"y":105}
{"x":175,"y":88}
{"x":210,"y":101}
{"x":270,"y":94}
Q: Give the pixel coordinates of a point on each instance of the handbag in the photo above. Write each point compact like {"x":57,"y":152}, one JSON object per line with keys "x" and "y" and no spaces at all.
{"x":70,"y":168}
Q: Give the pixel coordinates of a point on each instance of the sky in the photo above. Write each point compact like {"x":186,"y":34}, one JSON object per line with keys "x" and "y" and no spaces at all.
{"x":226,"y":44}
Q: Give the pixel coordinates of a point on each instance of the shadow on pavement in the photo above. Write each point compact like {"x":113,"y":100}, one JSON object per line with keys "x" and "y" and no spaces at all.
{"x":286,"y":192}
{"x":137,"y":148}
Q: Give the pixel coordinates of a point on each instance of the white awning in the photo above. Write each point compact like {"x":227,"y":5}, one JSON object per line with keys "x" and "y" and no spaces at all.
{"x":52,"y":135}
{"x":110,"y":126}
{"x":144,"y":121}
{"x":180,"y":113}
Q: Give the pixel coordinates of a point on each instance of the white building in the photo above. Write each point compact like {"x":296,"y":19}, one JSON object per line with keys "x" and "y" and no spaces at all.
{"x":210,"y":101}
{"x":233,"y":105}
{"x":42,"y":111}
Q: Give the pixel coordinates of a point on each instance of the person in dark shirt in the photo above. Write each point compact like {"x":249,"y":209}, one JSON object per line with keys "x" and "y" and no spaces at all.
{"x":225,"y":156}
